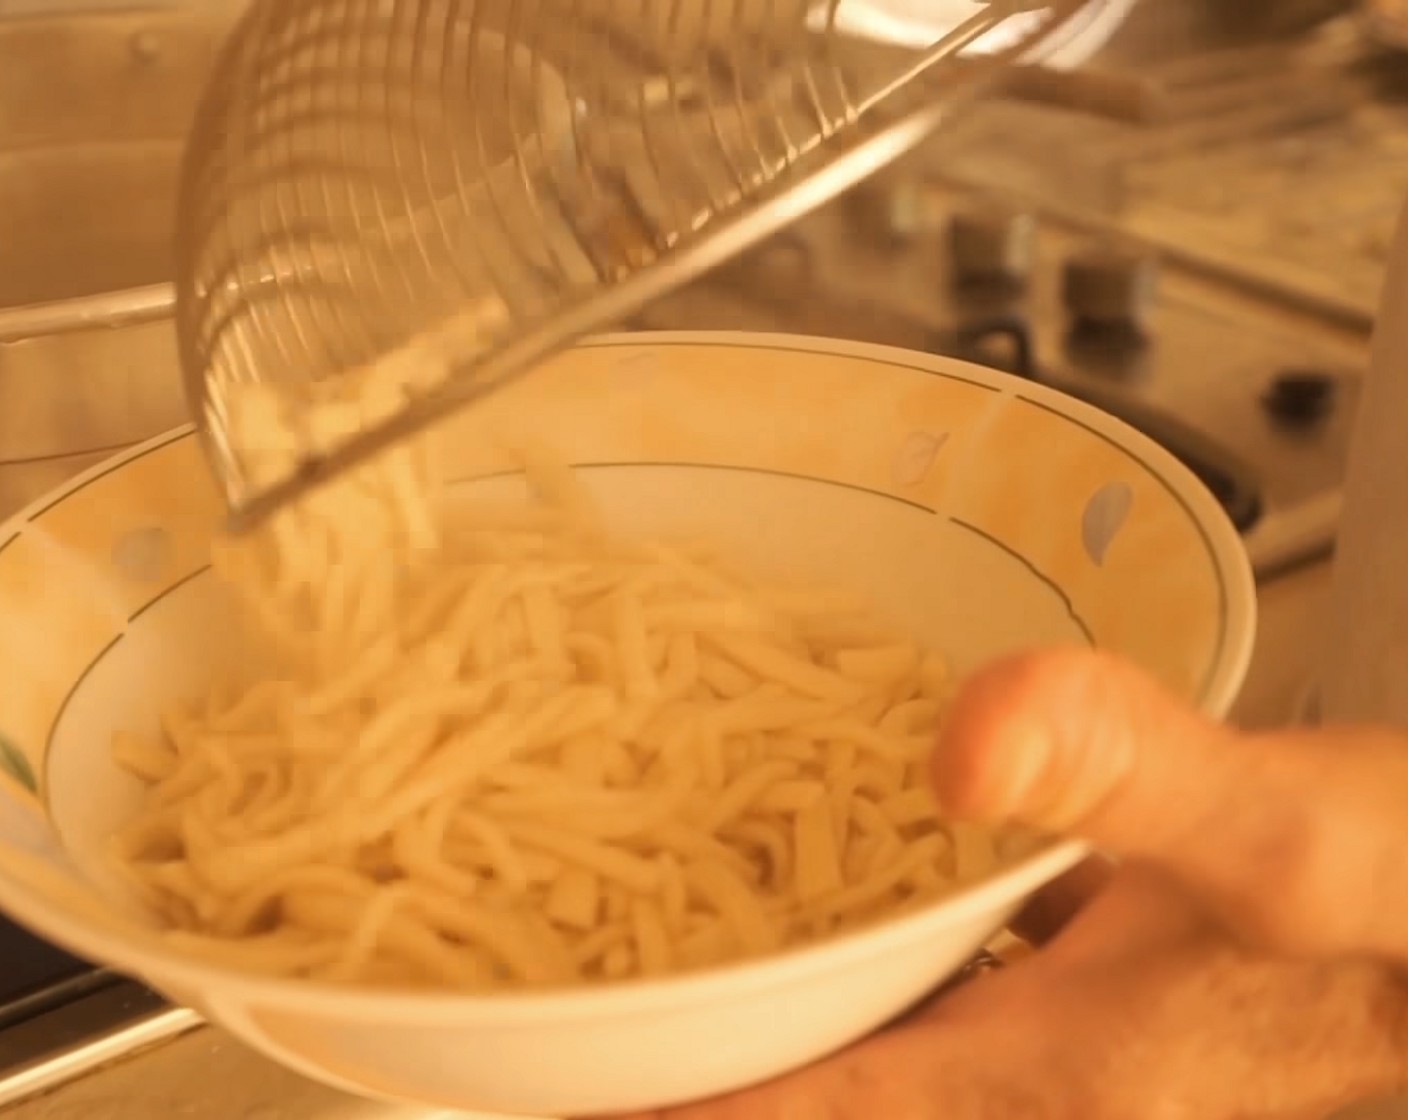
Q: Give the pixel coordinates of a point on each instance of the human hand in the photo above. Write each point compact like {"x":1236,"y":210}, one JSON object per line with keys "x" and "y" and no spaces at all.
{"x":1248,"y":961}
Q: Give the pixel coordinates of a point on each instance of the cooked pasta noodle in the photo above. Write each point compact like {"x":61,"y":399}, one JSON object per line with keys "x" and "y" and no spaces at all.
{"x":510,"y":748}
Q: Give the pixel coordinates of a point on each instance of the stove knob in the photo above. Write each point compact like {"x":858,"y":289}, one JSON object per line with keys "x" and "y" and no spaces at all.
{"x":992,"y":246}
{"x":1298,"y":398}
{"x":1110,"y":288}
{"x":911,"y":208}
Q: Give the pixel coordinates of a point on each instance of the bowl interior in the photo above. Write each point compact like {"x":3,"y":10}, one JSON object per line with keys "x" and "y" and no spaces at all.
{"x":981,"y":514}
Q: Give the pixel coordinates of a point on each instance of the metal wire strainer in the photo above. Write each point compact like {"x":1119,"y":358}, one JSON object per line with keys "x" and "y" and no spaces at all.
{"x":485,"y":180}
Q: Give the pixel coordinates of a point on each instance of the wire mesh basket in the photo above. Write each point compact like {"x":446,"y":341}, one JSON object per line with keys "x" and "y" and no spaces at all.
{"x":479,"y":182}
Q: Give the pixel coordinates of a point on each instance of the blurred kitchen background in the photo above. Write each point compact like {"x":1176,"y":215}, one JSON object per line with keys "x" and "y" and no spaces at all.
{"x":1197,"y":248}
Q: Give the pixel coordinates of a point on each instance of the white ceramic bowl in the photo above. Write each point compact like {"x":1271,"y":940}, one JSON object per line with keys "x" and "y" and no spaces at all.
{"x":984,"y":513}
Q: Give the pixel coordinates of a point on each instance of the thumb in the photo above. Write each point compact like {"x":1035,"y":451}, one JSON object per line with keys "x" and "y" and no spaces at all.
{"x":1296,"y":840}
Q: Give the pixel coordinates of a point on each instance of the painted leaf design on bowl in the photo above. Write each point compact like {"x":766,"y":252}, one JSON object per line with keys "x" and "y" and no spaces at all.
{"x":24,"y":828}
{"x":1105,"y":515}
{"x":17,"y":766}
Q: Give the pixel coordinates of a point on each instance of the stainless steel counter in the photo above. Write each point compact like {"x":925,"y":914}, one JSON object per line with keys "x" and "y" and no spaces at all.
{"x":182,"y":1069}
{"x":1290,"y":610}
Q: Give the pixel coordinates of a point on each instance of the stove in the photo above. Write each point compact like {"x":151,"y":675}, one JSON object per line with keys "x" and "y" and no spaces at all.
{"x":1210,"y":277}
